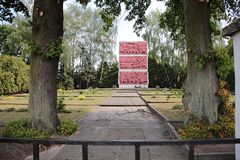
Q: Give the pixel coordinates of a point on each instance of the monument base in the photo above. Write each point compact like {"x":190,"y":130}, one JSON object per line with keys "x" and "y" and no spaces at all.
{"x":133,"y":86}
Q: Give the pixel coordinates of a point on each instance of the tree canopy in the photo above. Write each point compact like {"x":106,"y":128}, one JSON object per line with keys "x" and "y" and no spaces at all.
{"x":8,"y":6}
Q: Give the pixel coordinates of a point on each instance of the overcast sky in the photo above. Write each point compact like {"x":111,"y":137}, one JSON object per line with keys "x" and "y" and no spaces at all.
{"x":125,"y":28}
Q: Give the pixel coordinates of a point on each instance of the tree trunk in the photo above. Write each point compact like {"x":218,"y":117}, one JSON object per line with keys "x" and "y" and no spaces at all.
{"x":201,"y":85}
{"x":47,"y":29}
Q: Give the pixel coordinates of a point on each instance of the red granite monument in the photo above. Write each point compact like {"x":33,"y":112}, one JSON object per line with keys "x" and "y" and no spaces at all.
{"x":133,"y":65}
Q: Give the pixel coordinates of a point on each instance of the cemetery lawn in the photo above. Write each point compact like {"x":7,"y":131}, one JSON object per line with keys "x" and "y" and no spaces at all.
{"x":167,"y":110}
{"x":11,"y":106}
{"x":165,"y":101}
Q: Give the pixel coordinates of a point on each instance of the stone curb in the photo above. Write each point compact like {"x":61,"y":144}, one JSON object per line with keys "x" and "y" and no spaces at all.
{"x":167,"y":123}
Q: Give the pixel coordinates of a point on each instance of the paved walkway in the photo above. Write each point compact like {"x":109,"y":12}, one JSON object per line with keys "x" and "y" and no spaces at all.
{"x":118,"y":123}
{"x":124,"y":99}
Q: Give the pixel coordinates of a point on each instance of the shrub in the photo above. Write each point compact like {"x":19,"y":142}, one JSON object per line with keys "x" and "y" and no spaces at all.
{"x":92,"y":90}
{"x":67,"y":127}
{"x":81,"y":97}
{"x":22,"y":110}
{"x":14,"y":75}
{"x":61,"y":107}
{"x":19,"y":129}
{"x":60,"y":91}
{"x":9,"y":97}
{"x":224,"y":128}
{"x":178,"y":107}
{"x":81,"y":92}
{"x":9,"y":110}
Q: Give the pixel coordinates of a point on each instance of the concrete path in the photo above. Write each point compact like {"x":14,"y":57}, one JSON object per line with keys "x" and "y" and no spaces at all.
{"x":124,"y":99}
{"x":118,"y":123}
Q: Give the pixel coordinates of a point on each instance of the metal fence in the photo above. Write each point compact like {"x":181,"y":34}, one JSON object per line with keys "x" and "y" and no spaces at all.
{"x":137,"y":144}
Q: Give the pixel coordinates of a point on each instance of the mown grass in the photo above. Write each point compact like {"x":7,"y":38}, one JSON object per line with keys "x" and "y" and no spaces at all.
{"x":71,"y":98}
{"x":167,"y":110}
{"x":76,"y":113}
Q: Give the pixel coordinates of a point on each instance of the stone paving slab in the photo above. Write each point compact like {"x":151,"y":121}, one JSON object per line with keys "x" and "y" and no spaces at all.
{"x":108,"y":124}
{"x":126,"y":90}
{"x":123,"y":101}
{"x":125,"y":95}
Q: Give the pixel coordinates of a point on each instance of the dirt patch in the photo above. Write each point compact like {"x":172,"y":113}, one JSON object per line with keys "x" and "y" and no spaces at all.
{"x":15,"y":151}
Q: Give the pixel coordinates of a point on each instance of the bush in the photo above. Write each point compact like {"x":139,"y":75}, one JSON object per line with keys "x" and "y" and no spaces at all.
{"x":178,"y":107}
{"x":92,"y":90}
{"x":67,"y":127}
{"x":9,"y":110}
{"x":22,"y":110}
{"x":224,"y":128}
{"x":14,"y":75}
{"x":9,"y":97}
{"x":81,"y":92}
{"x":81,"y":97}
{"x":19,"y":129}
{"x":60,"y":91}
{"x":61,"y":107}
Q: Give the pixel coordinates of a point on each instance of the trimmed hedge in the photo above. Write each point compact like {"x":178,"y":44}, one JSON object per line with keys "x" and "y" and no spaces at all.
{"x":14,"y":75}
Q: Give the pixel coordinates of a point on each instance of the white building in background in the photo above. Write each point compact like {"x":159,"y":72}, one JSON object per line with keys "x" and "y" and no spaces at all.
{"x":233,"y":30}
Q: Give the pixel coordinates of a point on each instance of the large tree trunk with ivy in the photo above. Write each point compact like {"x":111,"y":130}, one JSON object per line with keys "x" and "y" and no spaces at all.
{"x":47,"y":32}
{"x":201,"y":85}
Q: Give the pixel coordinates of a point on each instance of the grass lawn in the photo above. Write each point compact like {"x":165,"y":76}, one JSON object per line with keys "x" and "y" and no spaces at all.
{"x":93,"y":97}
{"x":78,"y":107}
{"x":167,"y":110}
{"x":163,"y":99}
{"x":161,"y":92}
{"x":77,"y":112}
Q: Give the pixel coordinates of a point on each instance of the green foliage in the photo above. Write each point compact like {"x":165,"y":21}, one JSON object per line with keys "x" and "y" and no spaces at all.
{"x":67,"y":127}
{"x":16,"y":39}
{"x":203,"y":59}
{"x":8,"y":6}
{"x":109,"y":75}
{"x":112,"y":9}
{"x":178,"y":107}
{"x":224,"y":128}
{"x":224,"y":61}
{"x":54,"y":49}
{"x":165,"y":74}
{"x":84,"y":43}
{"x":61,"y":106}
{"x":14,"y":75}
{"x":22,"y":110}
{"x":173,"y":18}
{"x":19,"y":129}
{"x":81,"y":92}
{"x":9,"y":110}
